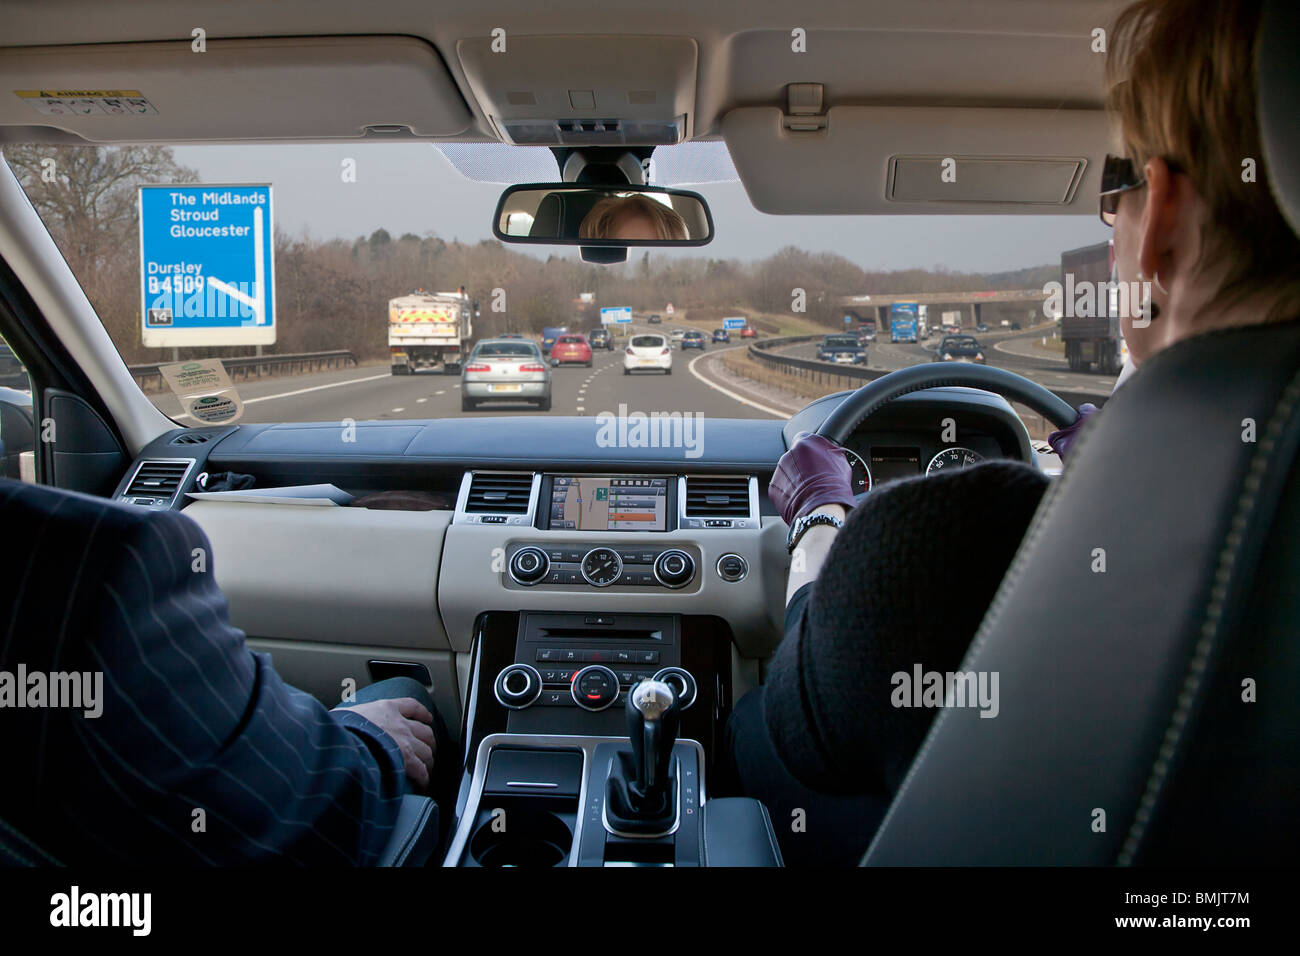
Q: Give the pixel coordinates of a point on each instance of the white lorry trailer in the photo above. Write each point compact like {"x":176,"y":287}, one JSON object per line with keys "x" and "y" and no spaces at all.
{"x":430,"y":330}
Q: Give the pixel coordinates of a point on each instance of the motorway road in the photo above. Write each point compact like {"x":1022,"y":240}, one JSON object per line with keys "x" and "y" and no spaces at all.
{"x":1015,"y":355}
{"x":372,"y":393}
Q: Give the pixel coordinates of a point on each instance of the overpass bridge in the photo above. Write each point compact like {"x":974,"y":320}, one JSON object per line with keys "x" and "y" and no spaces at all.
{"x":969,"y":303}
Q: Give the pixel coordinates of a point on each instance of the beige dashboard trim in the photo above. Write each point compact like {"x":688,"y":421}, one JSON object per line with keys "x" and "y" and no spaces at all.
{"x":338,"y":575}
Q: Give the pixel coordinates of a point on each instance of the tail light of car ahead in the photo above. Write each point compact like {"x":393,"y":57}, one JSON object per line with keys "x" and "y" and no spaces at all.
{"x":664,"y":352}
{"x":532,"y":368}
{"x":629,"y":351}
{"x":478,"y":368}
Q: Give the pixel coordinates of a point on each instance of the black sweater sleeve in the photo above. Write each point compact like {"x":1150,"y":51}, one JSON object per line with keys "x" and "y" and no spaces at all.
{"x":906,"y":582}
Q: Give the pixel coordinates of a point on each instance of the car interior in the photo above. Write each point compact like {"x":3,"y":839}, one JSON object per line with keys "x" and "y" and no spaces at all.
{"x":532,"y":627}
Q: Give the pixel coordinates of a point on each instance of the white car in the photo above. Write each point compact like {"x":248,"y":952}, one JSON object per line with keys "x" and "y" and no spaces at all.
{"x":648,"y":351}
{"x":676,"y":336}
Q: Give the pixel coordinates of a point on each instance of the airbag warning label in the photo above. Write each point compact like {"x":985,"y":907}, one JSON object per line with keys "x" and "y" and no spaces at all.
{"x":88,"y":102}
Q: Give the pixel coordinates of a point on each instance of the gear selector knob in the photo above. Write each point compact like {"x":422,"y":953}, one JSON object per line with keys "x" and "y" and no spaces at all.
{"x":653,"y":715}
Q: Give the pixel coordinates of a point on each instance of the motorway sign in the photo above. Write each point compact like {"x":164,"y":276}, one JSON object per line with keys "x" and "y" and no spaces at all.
{"x":735,"y":322}
{"x":620,"y":315}
{"x":207,"y":269}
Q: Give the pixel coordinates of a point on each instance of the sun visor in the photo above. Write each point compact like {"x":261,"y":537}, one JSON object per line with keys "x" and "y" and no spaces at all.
{"x":308,"y":88}
{"x":940,"y":160}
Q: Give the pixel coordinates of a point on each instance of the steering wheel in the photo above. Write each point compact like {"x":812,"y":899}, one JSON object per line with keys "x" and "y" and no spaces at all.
{"x":856,"y":408}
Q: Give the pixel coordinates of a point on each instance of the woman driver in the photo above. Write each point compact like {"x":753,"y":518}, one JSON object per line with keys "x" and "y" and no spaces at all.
{"x":904,"y":578}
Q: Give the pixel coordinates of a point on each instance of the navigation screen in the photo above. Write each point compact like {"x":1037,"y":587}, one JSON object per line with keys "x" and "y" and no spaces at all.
{"x":590,"y":503}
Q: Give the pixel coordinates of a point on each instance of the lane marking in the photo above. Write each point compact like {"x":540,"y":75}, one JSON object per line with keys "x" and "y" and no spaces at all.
{"x":396,"y":410}
{"x":690,"y":367}
{"x":1046,"y":357}
{"x":316,"y":388}
{"x":421,"y":400}
{"x":441,"y":391}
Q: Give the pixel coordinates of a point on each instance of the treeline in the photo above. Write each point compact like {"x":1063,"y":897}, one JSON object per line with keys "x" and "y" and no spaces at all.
{"x":333,"y":293}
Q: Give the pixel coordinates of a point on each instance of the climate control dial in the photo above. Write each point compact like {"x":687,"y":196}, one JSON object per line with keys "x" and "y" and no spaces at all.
{"x":682,"y":683}
{"x":518,"y":686}
{"x":594,"y":687}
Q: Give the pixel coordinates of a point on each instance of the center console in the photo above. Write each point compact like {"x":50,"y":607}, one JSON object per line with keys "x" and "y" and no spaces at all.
{"x":588,"y":741}
{"x":600,"y":688}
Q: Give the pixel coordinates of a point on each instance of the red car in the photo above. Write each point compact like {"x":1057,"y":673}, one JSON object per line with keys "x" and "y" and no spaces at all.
{"x":571,"y":348}
{"x":748,"y":332}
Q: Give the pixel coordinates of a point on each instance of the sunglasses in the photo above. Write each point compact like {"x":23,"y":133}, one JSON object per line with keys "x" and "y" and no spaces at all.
{"x":1118,"y":176}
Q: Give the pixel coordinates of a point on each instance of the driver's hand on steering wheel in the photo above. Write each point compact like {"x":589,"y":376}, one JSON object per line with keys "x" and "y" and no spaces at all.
{"x":813,"y":473}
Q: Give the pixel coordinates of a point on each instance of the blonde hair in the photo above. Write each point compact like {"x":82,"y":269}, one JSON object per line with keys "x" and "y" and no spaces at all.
{"x":604,"y":216}
{"x":1181,"y":77}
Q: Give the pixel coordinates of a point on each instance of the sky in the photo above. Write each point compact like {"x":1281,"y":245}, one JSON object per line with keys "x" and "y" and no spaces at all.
{"x":413,"y":187}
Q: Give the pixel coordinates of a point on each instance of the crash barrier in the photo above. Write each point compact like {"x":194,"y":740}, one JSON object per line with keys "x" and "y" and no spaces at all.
{"x":833,"y":375}
{"x":255,"y":366}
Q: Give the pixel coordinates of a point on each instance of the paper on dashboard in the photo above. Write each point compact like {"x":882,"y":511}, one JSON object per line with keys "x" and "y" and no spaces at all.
{"x":328,"y":496}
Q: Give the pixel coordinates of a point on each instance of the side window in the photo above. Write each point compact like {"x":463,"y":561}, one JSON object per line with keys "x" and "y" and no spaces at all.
{"x":17,"y":420}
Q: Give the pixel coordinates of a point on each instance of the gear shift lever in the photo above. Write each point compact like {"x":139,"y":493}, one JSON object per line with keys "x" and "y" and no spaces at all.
{"x":652,"y":722}
{"x":639,"y":788}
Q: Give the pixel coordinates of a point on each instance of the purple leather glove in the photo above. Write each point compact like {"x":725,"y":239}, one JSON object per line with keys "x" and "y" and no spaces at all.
{"x":814,"y":472}
{"x":1062,"y":440}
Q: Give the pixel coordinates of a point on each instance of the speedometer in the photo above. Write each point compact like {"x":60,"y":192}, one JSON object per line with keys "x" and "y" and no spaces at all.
{"x":950,"y":458}
{"x":861,"y":481}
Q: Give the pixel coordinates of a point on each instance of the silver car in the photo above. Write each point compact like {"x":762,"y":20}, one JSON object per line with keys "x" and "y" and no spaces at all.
{"x":505,"y":370}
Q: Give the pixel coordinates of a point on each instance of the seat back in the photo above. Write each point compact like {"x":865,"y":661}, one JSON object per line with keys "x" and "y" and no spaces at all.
{"x":1145,"y":640}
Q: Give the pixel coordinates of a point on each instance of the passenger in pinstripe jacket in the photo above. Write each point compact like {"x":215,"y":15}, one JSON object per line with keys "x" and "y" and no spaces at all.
{"x":200,"y":753}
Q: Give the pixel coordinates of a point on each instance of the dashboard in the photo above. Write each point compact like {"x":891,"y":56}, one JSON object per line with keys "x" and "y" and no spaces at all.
{"x":538,"y":518}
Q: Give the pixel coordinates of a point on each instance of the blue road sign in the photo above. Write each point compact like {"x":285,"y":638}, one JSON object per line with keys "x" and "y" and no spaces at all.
{"x":621,"y":315}
{"x":207,"y":267}
{"x":734,"y":322}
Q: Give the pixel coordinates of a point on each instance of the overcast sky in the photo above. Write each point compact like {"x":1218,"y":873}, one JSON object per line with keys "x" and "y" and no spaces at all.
{"x":414,"y":188}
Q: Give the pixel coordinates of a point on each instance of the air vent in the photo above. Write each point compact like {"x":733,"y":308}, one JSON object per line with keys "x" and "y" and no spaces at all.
{"x":191,"y":438}
{"x":717,"y":497}
{"x":499,"y":494}
{"x":156,"y":482}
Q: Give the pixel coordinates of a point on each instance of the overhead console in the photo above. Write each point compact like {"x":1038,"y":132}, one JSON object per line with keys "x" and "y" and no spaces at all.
{"x":584,"y":90}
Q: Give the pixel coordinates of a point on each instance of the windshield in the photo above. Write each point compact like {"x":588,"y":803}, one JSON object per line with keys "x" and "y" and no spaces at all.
{"x":353,"y":282}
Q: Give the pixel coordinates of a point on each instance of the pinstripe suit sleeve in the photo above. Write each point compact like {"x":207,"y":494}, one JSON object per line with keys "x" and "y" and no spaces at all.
{"x":203,"y":754}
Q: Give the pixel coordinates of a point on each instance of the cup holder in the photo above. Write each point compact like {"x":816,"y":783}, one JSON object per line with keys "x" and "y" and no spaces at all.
{"x":524,"y":838}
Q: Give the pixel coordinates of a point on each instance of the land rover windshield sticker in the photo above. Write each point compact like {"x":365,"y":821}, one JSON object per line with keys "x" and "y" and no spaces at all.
{"x":205,"y":391}
{"x":88,"y":102}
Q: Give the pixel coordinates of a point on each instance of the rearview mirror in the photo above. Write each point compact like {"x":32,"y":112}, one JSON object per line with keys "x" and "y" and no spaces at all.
{"x":572,"y":214}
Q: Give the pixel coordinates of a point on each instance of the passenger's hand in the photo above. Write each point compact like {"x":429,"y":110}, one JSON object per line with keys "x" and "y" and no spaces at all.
{"x":410,"y":725}
{"x":814,"y":472}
